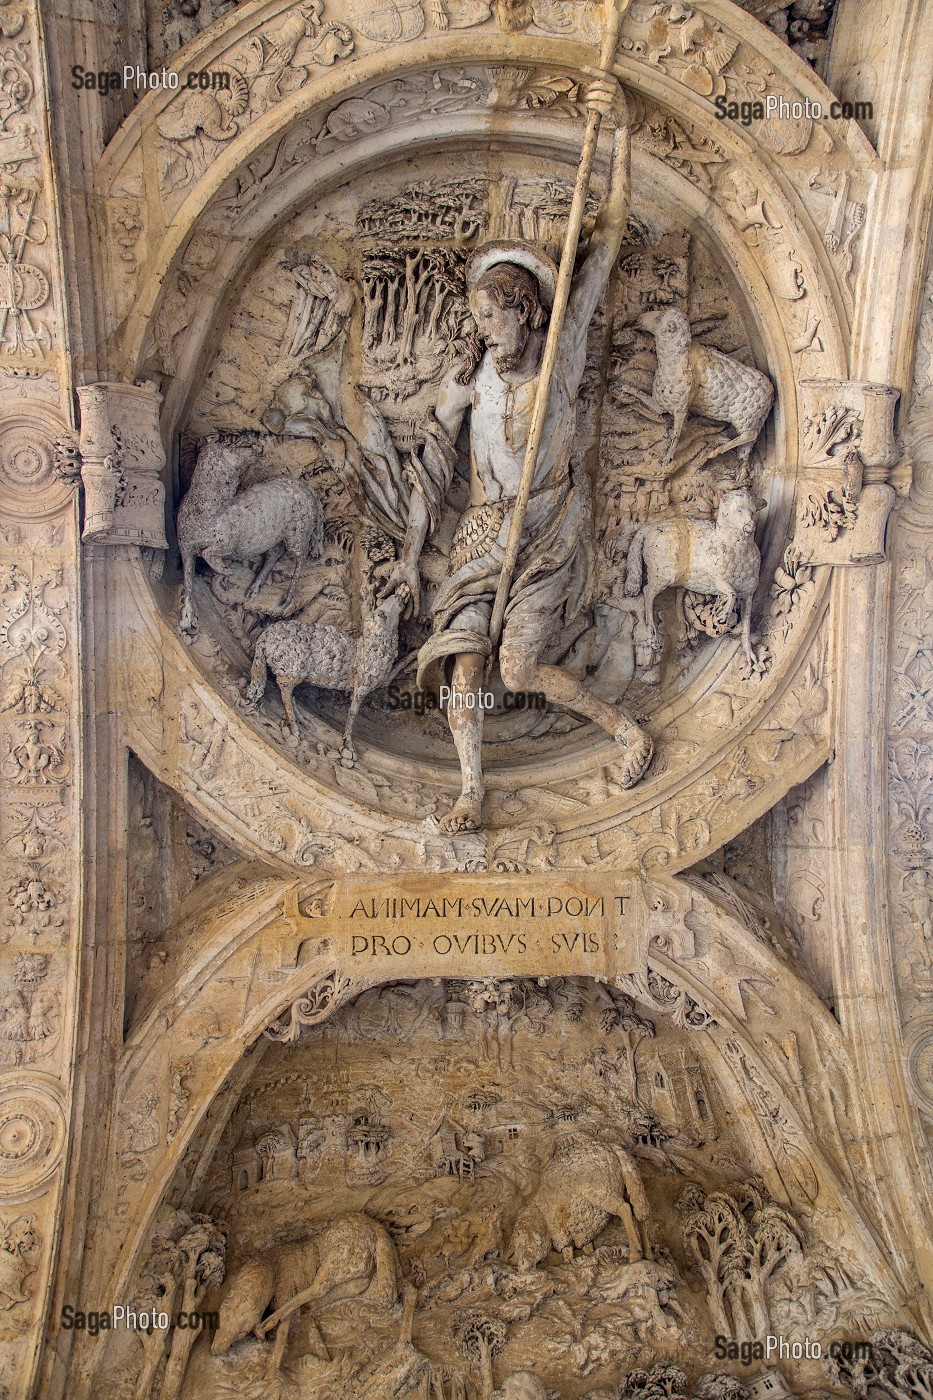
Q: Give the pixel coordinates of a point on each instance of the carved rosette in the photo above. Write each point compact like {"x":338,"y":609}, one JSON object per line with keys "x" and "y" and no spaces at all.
{"x":32,"y":1135}
{"x":121,"y":461}
{"x":33,"y":445}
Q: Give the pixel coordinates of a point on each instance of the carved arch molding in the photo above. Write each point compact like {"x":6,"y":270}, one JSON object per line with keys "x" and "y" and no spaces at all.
{"x":320,"y":158}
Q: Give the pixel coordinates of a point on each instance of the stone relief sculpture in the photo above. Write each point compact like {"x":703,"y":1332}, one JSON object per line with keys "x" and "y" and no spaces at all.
{"x":690,"y":375}
{"x":511,"y":286}
{"x":350,"y":1256}
{"x":219,"y":522}
{"x":758,"y":1275}
{"x":720,"y":561}
{"x":605,"y":1183}
{"x":466,"y":1188}
{"x":357,"y":395}
{"x":328,"y":657}
{"x":184,"y":1265}
{"x":18,"y":1248}
{"x":409,"y":1212}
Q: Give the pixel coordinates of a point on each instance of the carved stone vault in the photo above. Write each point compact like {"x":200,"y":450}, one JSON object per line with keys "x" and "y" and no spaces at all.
{"x":534,"y":1066}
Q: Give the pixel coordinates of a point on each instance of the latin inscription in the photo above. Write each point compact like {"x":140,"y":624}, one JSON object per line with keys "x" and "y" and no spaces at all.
{"x":550,"y":932}
{"x":482,"y":907}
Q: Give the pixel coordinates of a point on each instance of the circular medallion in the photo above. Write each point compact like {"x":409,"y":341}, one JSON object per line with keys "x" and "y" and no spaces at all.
{"x":920,"y":1062}
{"x":26,"y":465}
{"x":32,"y":1135}
{"x":27,"y":461}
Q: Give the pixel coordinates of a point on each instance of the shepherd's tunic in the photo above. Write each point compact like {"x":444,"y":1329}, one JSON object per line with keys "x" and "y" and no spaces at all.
{"x":553,"y":570}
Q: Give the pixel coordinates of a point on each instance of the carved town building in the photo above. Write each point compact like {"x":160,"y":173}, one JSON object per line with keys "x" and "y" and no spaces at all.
{"x":575,"y":1040}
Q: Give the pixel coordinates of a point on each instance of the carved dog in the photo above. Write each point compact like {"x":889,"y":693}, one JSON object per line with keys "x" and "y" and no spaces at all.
{"x":584,"y":1183}
{"x":350,"y":1256}
{"x":719,"y":558}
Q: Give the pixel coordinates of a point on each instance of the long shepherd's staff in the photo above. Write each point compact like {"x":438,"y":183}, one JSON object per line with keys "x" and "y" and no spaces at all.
{"x":614,"y":12}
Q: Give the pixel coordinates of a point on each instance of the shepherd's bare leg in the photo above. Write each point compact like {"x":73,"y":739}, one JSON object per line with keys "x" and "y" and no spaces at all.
{"x":466,"y":728}
{"x":521,"y":672}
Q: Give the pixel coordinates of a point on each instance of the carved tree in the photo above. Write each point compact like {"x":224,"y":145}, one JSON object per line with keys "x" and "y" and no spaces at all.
{"x":481,"y":1339}
{"x":897,"y":1365}
{"x":201,"y":1253}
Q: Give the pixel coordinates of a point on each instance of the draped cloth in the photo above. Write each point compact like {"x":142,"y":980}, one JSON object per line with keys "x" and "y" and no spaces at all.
{"x":553,"y":572}
{"x":388,"y":481}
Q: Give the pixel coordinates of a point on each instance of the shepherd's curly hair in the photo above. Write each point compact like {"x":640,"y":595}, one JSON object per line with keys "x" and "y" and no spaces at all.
{"x":513,"y":288}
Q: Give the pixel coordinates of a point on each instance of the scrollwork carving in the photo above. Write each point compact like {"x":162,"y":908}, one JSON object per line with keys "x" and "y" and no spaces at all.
{"x":660,"y":995}
{"x":316,"y":1005}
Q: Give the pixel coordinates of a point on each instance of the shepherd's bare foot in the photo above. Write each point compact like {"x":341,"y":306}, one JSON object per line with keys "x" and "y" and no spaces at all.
{"x":465,"y":815}
{"x":637,"y":750}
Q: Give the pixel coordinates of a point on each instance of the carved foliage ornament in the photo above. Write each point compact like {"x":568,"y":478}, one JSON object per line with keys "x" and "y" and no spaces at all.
{"x":316,"y":1005}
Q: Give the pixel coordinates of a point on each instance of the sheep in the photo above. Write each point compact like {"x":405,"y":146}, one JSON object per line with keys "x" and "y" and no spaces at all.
{"x":717,"y":557}
{"x":694,"y":376}
{"x":219,"y":522}
{"x":605,"y":1183}
{"x":327,"y":656}
{"x":350,"y":1256}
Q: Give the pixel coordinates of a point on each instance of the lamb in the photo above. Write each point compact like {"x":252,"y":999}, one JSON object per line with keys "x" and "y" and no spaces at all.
{"x":711,"y":557}
{"x":694,"y":376}
{"x":350,"y":1256}
{"x":327,"y":656}
{"x":219,"y":522}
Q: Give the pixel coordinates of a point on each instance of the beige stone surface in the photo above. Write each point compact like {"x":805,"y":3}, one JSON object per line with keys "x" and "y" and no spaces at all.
{"x":516,"y":1049}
